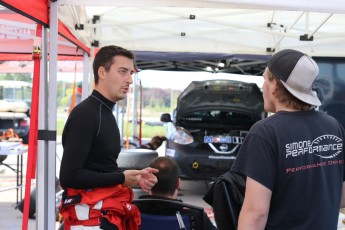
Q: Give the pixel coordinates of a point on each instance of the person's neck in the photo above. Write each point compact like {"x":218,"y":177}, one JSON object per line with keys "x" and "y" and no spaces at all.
{"x":104,"y":93}
{"x":280,"y":107}
{"x":174,"y":196}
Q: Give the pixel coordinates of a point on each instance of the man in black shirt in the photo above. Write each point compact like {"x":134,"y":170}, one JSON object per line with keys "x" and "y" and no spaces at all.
{"x":91,"y":138}
{"x":292,"y":173}
{"x":167,"y":189}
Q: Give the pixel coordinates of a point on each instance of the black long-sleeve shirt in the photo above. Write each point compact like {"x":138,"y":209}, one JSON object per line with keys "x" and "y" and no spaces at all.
{"x":91,"y":142}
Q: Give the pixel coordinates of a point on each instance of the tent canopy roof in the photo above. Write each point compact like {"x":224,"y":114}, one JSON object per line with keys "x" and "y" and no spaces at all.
{"x":193,"y":34}
{"x":18,"y":31}
{"x":180,"y":33}
{"x":224,"y":27}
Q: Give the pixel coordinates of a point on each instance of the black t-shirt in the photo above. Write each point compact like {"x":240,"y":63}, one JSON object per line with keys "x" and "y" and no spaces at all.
{"x":91,"y":142}
{"x":299,"y":156}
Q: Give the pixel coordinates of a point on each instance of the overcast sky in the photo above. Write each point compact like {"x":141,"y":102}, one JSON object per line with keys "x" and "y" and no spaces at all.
{"x":180,"y":80}
{"x":174,"y":80}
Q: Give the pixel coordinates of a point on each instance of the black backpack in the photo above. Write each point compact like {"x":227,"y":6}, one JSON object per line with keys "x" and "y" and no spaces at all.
{"x":226,"y":196}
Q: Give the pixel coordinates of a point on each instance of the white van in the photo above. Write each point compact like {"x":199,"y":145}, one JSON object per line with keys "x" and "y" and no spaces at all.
{"x":15,"y":103}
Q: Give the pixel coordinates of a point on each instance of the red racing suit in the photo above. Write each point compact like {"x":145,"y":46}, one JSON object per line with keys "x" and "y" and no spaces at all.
{"x":110,"y":206}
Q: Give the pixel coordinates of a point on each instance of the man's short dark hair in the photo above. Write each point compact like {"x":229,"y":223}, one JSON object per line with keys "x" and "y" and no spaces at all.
{"x":167,"y":176}
{"x":104,"y":57}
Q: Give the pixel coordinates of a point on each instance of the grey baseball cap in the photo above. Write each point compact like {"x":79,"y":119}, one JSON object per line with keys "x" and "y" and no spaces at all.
{"x":297,"y":72}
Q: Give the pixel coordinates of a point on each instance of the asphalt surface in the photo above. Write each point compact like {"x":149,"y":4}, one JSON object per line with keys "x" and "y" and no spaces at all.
{"x":11,"y":218}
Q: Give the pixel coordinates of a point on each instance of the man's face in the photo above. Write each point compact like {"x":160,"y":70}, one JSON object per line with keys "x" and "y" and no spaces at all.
{"x":116,"y":81}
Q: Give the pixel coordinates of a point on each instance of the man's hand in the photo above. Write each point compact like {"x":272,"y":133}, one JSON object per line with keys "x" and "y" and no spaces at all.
{"x":145,"y":178}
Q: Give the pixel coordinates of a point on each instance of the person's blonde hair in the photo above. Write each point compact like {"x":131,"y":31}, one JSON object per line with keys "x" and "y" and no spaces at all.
{"x":285,"y":97}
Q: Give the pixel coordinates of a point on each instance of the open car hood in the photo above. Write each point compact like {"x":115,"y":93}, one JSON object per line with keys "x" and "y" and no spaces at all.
{"x":220,"y":94}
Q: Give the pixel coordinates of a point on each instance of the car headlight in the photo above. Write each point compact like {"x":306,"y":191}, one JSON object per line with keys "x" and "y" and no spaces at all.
{"x":182,"y":136}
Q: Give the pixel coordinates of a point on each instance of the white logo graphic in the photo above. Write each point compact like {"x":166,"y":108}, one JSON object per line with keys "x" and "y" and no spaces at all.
{"x":326,"y":147}
{"x":67,"y":201}
{"x":224,"y":147}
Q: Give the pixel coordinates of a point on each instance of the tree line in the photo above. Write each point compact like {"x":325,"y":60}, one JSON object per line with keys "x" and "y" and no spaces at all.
{"x":151,"y":97}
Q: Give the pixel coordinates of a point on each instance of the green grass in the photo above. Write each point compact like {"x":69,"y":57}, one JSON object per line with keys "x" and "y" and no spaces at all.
{"x":60,"y":123}
{"x":147,"y":130}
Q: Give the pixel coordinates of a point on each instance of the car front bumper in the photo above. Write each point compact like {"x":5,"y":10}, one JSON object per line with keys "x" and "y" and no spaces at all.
{"x":199,"y":164}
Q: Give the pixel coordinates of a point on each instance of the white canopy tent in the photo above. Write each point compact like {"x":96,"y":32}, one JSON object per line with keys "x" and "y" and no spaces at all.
{"x":194,"y":29}
{"x":223,"y":27}
{"x":199,"y":27}
{"x":17,"y":36}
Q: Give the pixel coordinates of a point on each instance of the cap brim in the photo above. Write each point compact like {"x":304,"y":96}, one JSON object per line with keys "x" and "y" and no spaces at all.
{"x":309,"y":97}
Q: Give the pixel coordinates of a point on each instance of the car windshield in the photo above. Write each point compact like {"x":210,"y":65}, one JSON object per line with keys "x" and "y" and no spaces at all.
{"x":15,"y":94}
{"x":217,"y":116}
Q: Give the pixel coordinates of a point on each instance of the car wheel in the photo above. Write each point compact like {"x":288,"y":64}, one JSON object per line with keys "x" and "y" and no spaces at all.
{"x":2,"y":158}
{"x":32,"y":206}
{"x":25,"y":139}
{"x":58,"y":198}
{"x":33,"y":193}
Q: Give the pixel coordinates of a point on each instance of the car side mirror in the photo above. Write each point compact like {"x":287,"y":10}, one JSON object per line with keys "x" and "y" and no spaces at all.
{"x":165,"y":117}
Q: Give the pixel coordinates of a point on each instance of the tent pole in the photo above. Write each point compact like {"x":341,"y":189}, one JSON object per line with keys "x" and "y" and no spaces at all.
{"x":135,"y":109}
{"x":42,"y":145}
{"x":86,"y":77}
{"x":50,"y":132}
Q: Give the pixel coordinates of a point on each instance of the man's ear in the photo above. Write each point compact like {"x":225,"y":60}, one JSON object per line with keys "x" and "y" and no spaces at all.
{"x":101,"y":72}
{"x":274,"y":86}
{"x":178,"y":184}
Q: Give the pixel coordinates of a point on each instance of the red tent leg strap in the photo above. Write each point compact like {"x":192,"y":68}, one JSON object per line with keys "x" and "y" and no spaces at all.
{"x":32,"y":148}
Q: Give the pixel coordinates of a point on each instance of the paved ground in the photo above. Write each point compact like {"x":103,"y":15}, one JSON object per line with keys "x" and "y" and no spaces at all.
{"x":11,"y":218}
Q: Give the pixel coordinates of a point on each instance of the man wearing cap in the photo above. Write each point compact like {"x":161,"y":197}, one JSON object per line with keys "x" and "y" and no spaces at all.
{"x":294,"y":159}
{"x":77,"y":98}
